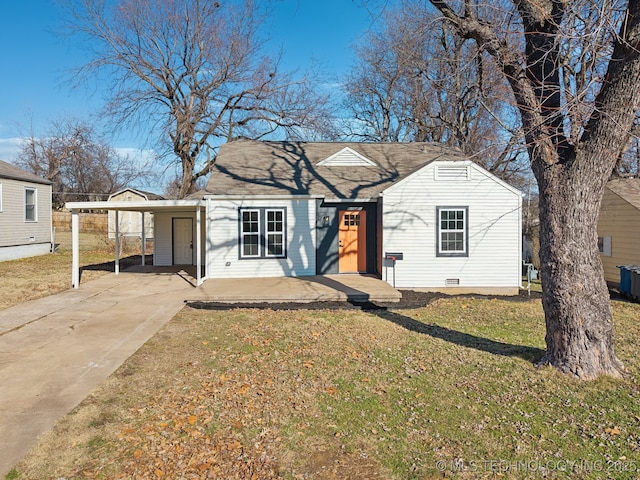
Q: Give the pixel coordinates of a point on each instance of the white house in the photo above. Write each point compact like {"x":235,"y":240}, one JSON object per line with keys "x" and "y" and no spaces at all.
{"x":417,"y":215}
{"x":25,"y":213}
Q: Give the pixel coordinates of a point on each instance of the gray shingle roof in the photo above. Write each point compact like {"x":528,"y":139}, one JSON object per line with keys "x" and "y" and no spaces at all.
{"x":250,"y":167}
{"x":627,"y":188}
{"x":11,"y":171}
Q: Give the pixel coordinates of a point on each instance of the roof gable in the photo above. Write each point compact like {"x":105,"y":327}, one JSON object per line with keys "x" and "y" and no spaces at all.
{"x":138,"y":193}
{"x":458,"y":171}
{"x":347,"y":157}
{"x":626,"y":188}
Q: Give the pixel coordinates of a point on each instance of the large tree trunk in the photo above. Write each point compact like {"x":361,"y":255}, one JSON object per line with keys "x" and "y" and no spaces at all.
{"x":580,"y":336}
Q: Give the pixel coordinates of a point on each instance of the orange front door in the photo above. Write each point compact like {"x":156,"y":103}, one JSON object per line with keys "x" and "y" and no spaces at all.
{"x":352,"y":251}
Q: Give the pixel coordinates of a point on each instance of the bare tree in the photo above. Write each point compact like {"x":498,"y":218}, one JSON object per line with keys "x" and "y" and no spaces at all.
{"x":194,"y":68}
{"x":573,"y":69}
{"x":423,"y":82}
{"x":81,"y":165}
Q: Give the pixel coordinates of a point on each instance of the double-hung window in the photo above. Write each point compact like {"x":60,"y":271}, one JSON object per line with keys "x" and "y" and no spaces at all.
{"x":250,"y":235}
{"x":275,"y":233}
{"x":453,"y":231}
{"x":30,"y":203}
{"x":262,"y":232}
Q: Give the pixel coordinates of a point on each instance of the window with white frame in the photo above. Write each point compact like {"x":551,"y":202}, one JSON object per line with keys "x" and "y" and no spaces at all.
{"x":604,"y":246}
{"x":453,"y":231}
{"x":250,"y":233}
{"x":275,"y":233}
{"x":262,"y":233}
{"x":30,"y":205}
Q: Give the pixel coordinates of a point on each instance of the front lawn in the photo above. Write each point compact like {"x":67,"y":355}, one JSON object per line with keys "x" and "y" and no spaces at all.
{"x":445,"y":390}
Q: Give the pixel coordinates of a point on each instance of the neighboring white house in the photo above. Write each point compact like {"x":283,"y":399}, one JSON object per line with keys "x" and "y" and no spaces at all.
{"x":130,"y":223}
{"x":25,"y":213}
{"x":418,"y":215}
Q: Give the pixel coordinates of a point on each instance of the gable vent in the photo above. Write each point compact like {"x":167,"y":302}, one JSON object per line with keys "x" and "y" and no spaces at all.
{"x":347,"y":157}
{"x":453,"y":172}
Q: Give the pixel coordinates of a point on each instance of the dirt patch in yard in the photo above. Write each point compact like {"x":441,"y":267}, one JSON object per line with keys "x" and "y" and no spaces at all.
{"x":410,"y":300}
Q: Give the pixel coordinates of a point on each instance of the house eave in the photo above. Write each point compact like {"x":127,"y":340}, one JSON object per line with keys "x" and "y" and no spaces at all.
{"x":262,"y":197}
{"x":142,"y":206}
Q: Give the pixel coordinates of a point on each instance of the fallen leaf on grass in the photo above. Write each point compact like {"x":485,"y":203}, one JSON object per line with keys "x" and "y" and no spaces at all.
{"x":612,"y":431}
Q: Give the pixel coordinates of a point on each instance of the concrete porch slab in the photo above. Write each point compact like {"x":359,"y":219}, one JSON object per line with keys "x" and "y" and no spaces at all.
{"x":316,"y":288}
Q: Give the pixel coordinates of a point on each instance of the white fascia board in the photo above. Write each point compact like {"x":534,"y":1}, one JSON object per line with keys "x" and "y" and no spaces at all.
{"x":352,"y":200}
{"x":498,"y":180}
{"x":147,"y":205}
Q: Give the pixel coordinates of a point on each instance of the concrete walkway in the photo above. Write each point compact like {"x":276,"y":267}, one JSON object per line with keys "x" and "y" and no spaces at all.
{"x":54,"y":351}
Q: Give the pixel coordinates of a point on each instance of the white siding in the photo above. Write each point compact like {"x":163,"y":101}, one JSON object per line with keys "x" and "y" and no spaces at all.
{"x":14,"y":229}
{"x":223,"y":243}
{"x":410,"y":227}
{"x":162,"y":246}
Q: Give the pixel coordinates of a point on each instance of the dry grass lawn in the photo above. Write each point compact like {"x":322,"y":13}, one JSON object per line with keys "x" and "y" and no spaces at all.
{"x":36,"y":277}
{"x":445,"y":390}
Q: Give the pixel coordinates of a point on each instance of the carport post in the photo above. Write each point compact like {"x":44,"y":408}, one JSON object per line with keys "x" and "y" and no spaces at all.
{"x":198,"y":248}
{"x":143,"y":236}
{"x":117,"y":262}
{"x":75,"y":250}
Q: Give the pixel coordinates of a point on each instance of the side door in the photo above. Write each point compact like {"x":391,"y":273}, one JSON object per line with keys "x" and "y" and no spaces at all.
{"x":182,"y":231}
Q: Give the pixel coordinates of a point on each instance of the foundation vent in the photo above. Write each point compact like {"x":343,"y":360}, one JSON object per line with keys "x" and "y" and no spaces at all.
{"x":452,"y":282}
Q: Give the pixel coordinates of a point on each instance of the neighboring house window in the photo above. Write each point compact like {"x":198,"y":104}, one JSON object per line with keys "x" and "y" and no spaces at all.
{"x":452,"y":231}
{"x":30,"y":202}
{"x":0,"y":198}
{"x":604,"y":246}
{"x":262,"y":232}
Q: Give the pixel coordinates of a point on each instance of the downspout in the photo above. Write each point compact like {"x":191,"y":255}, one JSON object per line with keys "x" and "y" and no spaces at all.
{"x":198,"y":248}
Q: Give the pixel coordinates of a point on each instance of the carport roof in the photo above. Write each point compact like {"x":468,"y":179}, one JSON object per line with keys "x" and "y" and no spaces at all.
{"x":142,"y":206}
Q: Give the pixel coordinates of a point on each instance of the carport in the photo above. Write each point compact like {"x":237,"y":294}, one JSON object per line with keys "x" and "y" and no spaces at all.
{"x":157,"y":207}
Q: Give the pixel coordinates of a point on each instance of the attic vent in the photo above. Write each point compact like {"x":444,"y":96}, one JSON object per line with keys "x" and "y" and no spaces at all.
{"x":347,"y":157}
{"x":451,"y":282}
{"x":453,"y":172}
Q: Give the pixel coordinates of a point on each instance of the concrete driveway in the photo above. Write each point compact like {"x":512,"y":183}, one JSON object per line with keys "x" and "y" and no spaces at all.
{"x":54,"y":351}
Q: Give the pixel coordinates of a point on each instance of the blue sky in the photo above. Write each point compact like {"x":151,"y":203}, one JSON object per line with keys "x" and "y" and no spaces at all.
{"x":36,"y":61}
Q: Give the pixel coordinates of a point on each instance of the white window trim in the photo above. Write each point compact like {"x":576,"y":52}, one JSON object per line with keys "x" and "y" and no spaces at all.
{"x":0,"y":197}
{"x":35,"y":204}
{"x":243,"y":233}
{"x":263,"y":251}
{"x":604,"y":246}
{"x":281,"y":232}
